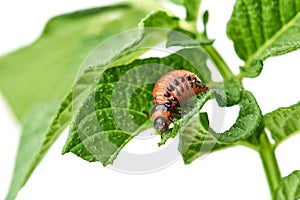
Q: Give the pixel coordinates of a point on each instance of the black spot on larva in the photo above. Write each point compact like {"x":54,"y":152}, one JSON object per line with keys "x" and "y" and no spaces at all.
{"x":188,"y":78}
{"x":177,"y":93}
{"x":186,"y":86}
{"x":174,"y":99}
{"x":175,"y":82}
{"x":167,"y":94}
{"x":181,"y":89}
{"x":168,"y":106}
{"x":191,"y":84}
{"x":170,"y":88}
{"x":169,"y":102}
{"x":181,"y":78}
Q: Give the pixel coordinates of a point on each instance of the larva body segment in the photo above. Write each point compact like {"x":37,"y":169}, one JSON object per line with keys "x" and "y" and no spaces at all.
{"x":169,"y":91}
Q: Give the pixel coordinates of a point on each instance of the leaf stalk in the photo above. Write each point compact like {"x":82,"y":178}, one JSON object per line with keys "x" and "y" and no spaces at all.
{"x":269,"y":161}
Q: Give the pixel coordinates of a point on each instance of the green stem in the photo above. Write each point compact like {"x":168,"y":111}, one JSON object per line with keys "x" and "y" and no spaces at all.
{"x":219,"y":61}
{"x":269,"y":161}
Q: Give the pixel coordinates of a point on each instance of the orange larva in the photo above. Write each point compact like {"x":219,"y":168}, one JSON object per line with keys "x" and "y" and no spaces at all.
{"x":169,"y":91}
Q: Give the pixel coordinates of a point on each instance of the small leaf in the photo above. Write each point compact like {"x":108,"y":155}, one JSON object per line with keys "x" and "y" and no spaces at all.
{"x":205,"y":21}
{"x":283,"y":122}
{"x":205,"y":18}
{"x":247,"y":122}
{"x":229,"y":92}
{"x":119,"y":109}
{"x":192,"y":9}
{"x":260,"y":29}
{"x":289,"y":187}
{"x":195,"y":140}
{"x":160,"y":19}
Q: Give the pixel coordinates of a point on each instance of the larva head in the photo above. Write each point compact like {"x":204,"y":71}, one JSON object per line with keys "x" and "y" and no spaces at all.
{"x":160,"y":116}
{"x":160,"y":124}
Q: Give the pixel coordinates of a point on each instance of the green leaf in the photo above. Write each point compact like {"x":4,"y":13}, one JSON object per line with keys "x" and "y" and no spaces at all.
{"x":289,"y":188}
{"x":260,"y":29}
{"x":119,"y":108}
{"x":160,"y":19}
{"x":37,"y":138}
{"x":229,"y":92}
{"x":205,"y":21}
{"x":195,"y":139}
{"x":47,"y":68}
{"x":192,"y":9}
{"x":283,"y":122}
{"x":47,"y":73}
{"x":248,"y":121}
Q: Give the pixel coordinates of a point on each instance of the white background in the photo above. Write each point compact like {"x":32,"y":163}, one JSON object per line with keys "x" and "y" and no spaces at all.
{"x":234,"y":173}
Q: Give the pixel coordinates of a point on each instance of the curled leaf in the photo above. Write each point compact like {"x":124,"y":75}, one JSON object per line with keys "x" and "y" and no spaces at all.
{"x":247,"y":122}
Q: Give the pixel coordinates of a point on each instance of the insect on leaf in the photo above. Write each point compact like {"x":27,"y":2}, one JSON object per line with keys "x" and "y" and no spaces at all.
{"x":120,"y":108}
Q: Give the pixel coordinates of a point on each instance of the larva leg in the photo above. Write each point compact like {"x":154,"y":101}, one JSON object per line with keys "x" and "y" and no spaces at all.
{"x":172,"y":119}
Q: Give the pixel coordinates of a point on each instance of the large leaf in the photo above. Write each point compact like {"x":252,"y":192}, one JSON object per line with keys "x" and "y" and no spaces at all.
{"x":36,"y":139}
{"x":283,"y":122}
{"x":47,"y":73}
{"x":120,"y":106}
{"x":45,"y":70}
{"x":260,"y":29}
{"x":289,"y":188}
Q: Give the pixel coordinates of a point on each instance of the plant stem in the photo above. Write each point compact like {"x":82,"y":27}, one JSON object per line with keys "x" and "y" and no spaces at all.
{"x":219,"y":61}
{"x":269,"y":161}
